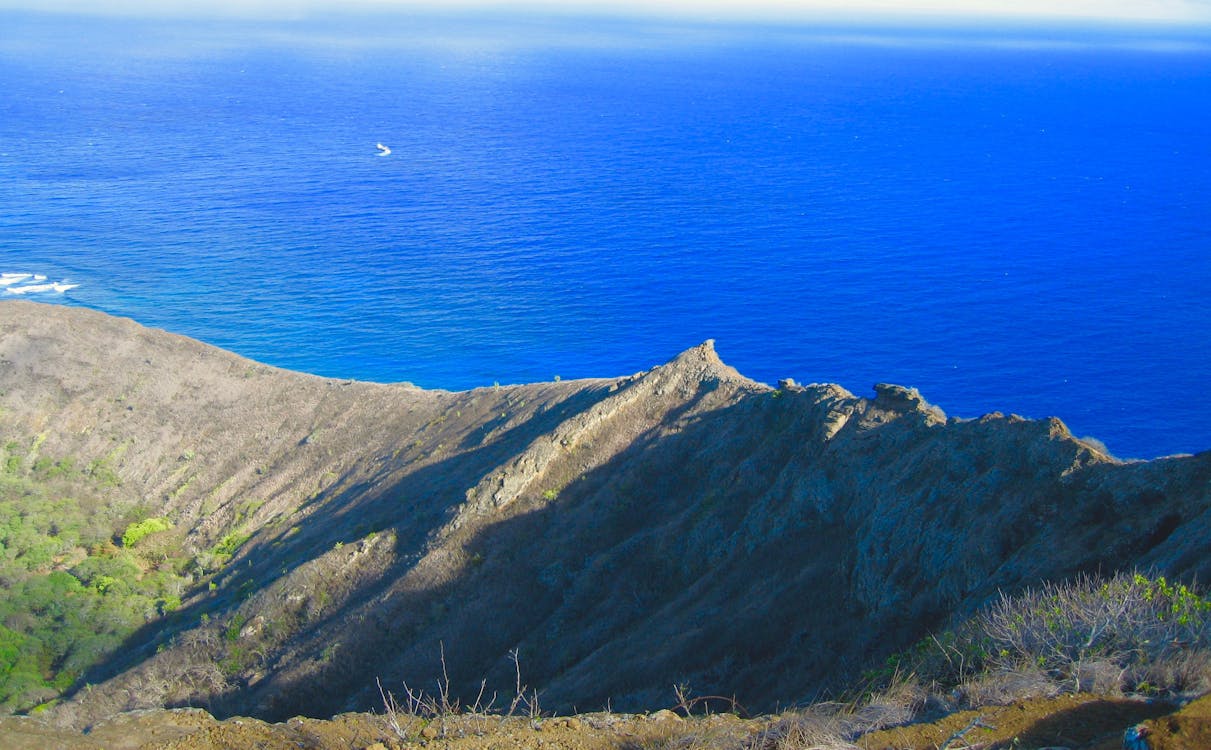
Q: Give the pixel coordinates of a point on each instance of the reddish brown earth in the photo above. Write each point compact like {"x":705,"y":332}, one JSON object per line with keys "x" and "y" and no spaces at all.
{"x":197,"y":730}
{"x":1184,"y":730}
{"x":1081,"y":722}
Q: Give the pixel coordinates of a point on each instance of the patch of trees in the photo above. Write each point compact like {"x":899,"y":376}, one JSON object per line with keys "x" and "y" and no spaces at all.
{"x":78,"y":574}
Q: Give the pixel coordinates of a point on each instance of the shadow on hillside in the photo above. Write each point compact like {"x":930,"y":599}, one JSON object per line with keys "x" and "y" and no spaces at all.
{"x":412,"y":504}
{"x":701,"y":554}
{"x":634,"y":573}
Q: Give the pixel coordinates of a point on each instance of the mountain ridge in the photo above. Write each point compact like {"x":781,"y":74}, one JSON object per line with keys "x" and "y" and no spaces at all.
{"x":682,"y":525}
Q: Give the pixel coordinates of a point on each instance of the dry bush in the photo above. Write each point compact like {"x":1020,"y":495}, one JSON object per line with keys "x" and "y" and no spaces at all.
{"x":897,"y":704}
{"x":1001,"y":687}
{"x":1186,"y":672}
{"x":447,"y":713}
{"x":1128,"y":633}
{"x":694,"y":734}
{"x":1098,"y":635}
{"x":819,"y":727}
{"x":1102,"y":676}
{"x":834,"y":726}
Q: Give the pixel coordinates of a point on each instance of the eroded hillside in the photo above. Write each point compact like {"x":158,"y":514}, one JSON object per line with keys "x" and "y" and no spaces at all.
{"x":683,"y":525}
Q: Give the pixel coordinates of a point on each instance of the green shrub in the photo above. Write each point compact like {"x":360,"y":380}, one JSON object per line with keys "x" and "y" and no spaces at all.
{"x":53,"y":469}
{"x":16,"y":652}
{"x":229,"y":544}
{"x":101,"y":572}
{"x":232,"y":632}
{"x":140,"y":529}
{"x":103,"y":473}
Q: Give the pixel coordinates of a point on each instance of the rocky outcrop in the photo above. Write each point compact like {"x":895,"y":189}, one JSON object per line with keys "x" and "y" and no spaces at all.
{"x":683,"y":525}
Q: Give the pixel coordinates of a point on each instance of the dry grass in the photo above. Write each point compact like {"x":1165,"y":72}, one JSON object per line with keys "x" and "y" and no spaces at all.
{"x":820,"y":726}
{"x":996,"y":688}
{"x":438,"y":714}
{"x":694,"y":734}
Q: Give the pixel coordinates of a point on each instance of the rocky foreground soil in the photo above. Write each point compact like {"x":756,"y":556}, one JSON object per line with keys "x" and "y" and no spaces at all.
{"x":1076,"y":722}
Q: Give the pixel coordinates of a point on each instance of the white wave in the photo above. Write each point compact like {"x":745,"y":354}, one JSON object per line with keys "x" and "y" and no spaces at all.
{"x":24,"y":283}
{"x":31,"y":289}
{"x":382,"y":150}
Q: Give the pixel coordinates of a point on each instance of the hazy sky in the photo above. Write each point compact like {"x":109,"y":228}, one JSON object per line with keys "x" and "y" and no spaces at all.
{"x":1179,"y":11}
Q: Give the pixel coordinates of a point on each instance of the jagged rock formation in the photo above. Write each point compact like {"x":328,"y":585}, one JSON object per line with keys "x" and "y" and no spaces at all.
{"x":681,"y":525}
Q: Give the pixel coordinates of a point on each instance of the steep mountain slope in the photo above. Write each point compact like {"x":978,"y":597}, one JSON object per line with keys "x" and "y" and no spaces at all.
{"x":683,"y":525}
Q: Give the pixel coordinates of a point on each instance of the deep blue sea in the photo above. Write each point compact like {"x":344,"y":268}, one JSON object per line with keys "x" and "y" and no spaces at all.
{"x":1013,"y":220}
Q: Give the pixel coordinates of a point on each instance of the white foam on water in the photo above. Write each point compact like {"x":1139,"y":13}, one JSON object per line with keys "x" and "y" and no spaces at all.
{"x":31,"y":288}
{"x":20,"y":283}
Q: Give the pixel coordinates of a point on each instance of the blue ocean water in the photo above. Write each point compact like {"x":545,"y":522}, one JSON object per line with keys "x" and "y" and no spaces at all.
{"x":1008,"y":220}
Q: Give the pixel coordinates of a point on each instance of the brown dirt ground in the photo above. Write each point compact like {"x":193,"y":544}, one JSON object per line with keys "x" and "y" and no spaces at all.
{"x":197,"y":730}
{"x":1188,"y":728}
{"x":1082,"y":722}
{"x":1076,"y":722}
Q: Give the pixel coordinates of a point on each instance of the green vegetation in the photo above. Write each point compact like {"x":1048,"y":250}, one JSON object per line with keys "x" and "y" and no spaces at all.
{"x":136,"y":531}
{"x":69,"y":596}
{"x":229,"y":544}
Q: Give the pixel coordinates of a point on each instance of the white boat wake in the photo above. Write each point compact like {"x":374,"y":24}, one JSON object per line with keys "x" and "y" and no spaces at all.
{"x":382,"y":150}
